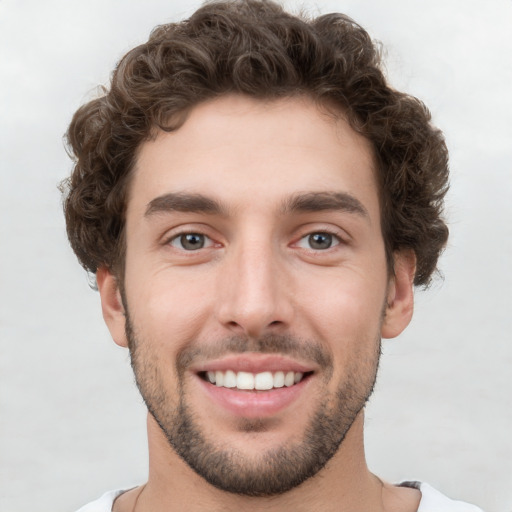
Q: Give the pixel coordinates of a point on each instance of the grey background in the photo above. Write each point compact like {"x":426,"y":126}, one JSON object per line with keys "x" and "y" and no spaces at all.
{"x":71,"y":422}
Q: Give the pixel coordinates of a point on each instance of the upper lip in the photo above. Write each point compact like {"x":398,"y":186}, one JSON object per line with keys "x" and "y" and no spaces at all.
{"x":253,"y":363}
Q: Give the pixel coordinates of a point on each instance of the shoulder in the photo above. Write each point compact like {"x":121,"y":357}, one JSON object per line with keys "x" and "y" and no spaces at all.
{"x":103,"y":504}
{"x":433,"y":501}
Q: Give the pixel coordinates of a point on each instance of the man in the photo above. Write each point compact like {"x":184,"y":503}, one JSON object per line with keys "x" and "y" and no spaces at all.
{"x":257,"y":204}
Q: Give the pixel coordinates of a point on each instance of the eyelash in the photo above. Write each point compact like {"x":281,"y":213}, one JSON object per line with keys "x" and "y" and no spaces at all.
{"x":179,"y":237}
{"x":209,"y":242}
{"x":337,"y":239}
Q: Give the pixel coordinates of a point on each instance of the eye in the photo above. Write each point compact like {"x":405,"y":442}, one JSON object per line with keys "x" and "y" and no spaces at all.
{"x":191,"y":241}
{"x":319,"y":241}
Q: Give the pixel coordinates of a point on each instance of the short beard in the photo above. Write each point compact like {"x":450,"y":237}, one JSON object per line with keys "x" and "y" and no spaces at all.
{"x":275,"y":471}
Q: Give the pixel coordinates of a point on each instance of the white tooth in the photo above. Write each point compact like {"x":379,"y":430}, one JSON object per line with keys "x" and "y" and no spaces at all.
{"x":298,"y":377}
{"x":230,"y":379}
{"x":245,"y":380}
{"x":289,"y":379}
{"x":211,"y":377}
{"x":263,"y":381}
{"x":278,"y":379}
{"x":219,"y":379}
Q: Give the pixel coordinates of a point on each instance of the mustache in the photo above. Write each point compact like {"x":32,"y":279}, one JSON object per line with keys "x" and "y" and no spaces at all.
{"x":267,"y":344}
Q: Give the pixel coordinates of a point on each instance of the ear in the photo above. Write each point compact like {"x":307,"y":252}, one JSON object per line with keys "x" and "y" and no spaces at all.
{"x":400,"y":299}
{"x":112,"y":305}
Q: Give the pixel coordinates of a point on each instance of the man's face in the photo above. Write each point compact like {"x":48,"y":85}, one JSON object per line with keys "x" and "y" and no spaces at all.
{"x":254,"y":259}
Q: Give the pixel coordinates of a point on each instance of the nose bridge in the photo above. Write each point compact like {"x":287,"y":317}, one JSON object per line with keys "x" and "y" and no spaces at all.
{"x":254,"y":298}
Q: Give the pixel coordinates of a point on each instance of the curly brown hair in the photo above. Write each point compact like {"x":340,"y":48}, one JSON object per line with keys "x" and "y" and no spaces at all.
{"x":255,"y":48}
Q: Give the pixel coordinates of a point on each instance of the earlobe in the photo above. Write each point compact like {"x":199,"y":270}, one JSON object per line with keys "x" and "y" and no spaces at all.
{"x":112,"y":306}
{"x":400,"y":300}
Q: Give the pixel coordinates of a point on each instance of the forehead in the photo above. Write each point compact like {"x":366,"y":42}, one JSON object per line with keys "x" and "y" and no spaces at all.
{"x":247,"y":152}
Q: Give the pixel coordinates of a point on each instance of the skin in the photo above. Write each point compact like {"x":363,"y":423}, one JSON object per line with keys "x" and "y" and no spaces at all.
{"x":256,"y":276}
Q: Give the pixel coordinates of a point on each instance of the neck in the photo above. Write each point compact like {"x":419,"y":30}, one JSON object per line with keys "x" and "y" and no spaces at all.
{"x":344,"y":484}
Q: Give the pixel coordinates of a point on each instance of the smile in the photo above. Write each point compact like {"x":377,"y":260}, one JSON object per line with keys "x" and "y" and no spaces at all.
{"x":254,"y":385}
{"x":262,"y":381}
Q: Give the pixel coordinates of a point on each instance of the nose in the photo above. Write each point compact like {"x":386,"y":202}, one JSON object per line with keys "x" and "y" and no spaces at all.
{"x":254,"y":291}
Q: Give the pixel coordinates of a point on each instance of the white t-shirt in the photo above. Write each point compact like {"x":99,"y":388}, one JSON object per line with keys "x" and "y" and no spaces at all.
{"x":431,"y":501}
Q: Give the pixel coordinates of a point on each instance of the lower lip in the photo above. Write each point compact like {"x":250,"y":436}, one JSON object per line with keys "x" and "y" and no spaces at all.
{"x":254,"y":404}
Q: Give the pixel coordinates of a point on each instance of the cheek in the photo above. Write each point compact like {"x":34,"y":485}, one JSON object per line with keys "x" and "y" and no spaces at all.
{"x":349,"y":304}
{"x":346,"y":318}
{"x":169,"y":307}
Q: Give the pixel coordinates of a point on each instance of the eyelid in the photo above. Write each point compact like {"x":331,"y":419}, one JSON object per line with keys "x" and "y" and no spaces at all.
{"x":177,"y":238}
{"x":311,"y":228}
{"x":189,"y":229}
{"x":337,"y":240}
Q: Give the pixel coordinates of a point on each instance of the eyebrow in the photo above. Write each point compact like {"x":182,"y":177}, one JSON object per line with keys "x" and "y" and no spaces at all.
{"x":324,"y":201}
{"x":305,"y":202}
{"x":181,"y":202}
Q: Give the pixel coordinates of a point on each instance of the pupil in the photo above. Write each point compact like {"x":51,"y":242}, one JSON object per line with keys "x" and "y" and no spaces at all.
{"x":320,"y":240}
{"x":192,"y":241}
